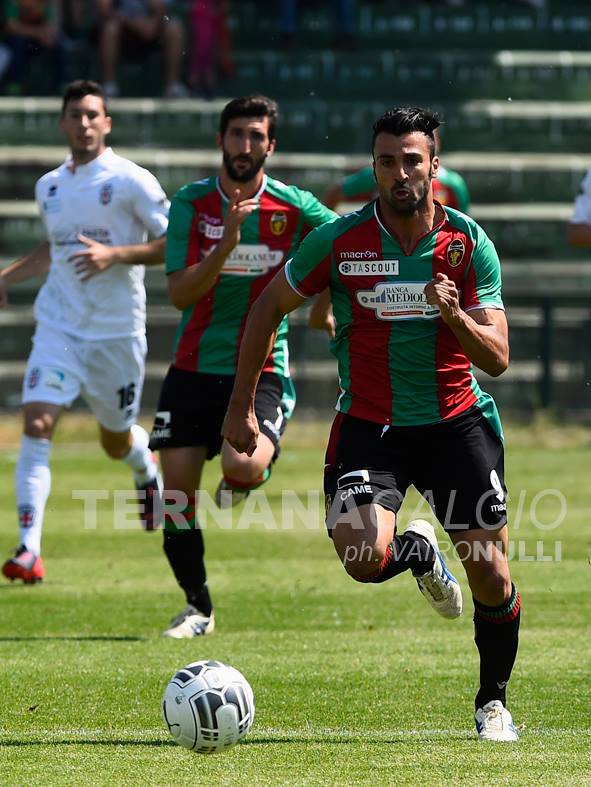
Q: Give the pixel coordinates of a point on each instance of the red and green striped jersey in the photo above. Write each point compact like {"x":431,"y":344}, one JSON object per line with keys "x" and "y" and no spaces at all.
{"x":449,"y":187}
{"x":209,"y":335}
{"x":399,"y":363}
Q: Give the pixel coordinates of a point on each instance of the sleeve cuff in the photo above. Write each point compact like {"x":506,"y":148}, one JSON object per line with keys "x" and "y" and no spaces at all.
{"x":485,"y":305}
{"x":291,"y":282}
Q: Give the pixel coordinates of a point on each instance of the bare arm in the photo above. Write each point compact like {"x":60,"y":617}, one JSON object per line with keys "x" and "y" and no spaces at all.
{"x":579,"y":235}
{"x":321,"y":317}
{"x":34,"y":264}
{"x":189,"y":285}
{"x":277,"y":299}
{"x":97,"y":257}
{"x":482,"y":333}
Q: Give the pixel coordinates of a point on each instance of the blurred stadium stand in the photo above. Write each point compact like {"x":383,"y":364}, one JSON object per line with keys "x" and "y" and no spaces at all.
{"x":514,"y":85}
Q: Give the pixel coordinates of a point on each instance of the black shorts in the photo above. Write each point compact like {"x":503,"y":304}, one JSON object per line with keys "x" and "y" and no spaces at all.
{"x":457,"y":465}
{"x":192,"y":407}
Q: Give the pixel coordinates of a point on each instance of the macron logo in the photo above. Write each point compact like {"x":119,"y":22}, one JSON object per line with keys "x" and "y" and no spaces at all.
{"x":359,"y":255}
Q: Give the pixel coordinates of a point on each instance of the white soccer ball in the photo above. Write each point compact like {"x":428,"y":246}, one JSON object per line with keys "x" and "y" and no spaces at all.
{"x":208,"y":706}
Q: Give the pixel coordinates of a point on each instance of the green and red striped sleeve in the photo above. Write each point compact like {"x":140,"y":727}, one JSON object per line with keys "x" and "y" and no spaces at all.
{"x":483,"y":280}
{"x":182,"y":238}
{"x":308,"y":271}
{"x":314,"y":212}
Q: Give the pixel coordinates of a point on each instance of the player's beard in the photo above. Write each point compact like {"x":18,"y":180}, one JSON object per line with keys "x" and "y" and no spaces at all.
{"x":248,"y":174}
{"x":414,"y":202}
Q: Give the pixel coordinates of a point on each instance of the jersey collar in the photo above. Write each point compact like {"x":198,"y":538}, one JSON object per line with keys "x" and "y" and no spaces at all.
{"x":225,"y":197}
{"x":435,"y":228}
{"x":90,"y":166}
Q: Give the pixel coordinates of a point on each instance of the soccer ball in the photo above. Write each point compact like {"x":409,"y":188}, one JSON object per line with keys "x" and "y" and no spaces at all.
{"x":208,"y":706}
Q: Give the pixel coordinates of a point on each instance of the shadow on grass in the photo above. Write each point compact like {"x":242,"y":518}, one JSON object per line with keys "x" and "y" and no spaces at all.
{"x":257,"y":742}
{"x":336,"y":741}
{"x":85,"y":742}
{"x":73,"y":638}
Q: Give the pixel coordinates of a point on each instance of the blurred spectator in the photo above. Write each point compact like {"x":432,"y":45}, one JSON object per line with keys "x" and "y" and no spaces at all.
{"x":32,"y":27}
{"x":135,"y":27}
{"x":210,"y":45}
{"x":344,"y":10}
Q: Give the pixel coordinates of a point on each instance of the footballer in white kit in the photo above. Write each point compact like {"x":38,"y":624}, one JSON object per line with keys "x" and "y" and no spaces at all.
{"x":98,"y":210}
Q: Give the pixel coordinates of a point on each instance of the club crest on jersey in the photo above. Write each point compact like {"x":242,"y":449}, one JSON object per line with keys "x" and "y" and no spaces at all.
{"x":455,"y":252}
{"x":106,"y":194}
{"x":278,"y":222}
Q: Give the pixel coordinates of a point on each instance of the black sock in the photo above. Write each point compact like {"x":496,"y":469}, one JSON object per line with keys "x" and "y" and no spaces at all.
{"x":185,"y":551}
{"x":496,"y":633}
{"x":406,"y":551}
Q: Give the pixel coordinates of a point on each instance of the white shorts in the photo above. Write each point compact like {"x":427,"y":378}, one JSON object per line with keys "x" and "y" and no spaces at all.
{"x":108,"y":374}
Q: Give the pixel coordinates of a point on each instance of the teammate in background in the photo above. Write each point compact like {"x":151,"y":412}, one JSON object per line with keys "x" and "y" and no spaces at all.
{"x":579,"y":228}
{"x":228,"y":237}
{"x":416,"y":292}
{"x":449,"y":187}
{"x":90,"y":338}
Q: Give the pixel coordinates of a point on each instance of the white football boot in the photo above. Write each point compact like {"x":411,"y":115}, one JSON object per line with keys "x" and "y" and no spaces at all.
{"x":495,"y":723}
{"x":190,"y":623}
{"x":439,"y":586}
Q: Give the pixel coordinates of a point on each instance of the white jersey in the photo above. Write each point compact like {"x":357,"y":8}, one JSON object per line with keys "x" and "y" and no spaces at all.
{"x":115,"y":202}
{"x":582,"y":208}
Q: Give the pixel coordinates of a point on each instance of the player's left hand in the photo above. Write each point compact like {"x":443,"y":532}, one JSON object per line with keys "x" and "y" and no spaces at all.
{"x":95,"y":258}
{"x":442,"y":292}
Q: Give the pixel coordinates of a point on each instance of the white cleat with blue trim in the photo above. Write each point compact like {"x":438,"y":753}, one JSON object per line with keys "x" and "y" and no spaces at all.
{"x":439,"y":586}
{"x":495,"y":723}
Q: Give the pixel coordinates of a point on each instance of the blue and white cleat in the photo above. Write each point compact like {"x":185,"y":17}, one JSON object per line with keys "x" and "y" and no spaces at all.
{"x":439,"y":586}
{"x":495,"y":723}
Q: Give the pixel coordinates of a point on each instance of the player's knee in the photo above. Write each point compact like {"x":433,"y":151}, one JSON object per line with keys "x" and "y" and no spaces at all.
{"x":115,"y":449}
{"x":494,"y":587}
{"x":242,"y":469}
{"x":360,"y":560}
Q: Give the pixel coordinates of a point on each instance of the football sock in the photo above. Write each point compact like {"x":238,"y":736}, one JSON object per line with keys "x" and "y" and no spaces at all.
{"x":33,"y":482}
{"x":185,"y":551}
{"x":496,"y":633}
{"x":139,"y":457}
{"x":241,"y":485}
{"x":406,"y":551}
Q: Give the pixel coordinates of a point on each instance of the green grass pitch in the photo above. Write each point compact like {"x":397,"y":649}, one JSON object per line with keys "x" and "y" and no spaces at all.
{"x":354,"y":685}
